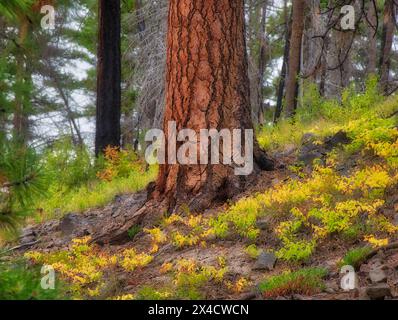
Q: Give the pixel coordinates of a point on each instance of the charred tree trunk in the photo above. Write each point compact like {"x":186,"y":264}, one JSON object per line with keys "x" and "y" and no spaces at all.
{"x":108,"y":77}
{"x":207,"y":88}
{"x":386,"y":44}
{"x":294,"y":56}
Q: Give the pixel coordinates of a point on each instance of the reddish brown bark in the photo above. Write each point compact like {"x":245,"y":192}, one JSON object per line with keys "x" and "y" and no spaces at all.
{"x":294,"y":56}
{"x":207,"y":88}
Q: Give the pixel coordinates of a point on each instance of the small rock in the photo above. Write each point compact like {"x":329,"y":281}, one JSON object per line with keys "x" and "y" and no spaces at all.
{"x":308,"y":137}
{"x":27,"y":236}
{"x":275,"y":181}
{"x":377,"y":275}
{"x":263,"y":224}
{"x":309,"y":157}
{"x":129,"y":288}
{"x":27,"y":232}
{"x":395,"y":221}
{"x":362,"y":295}
{"x":211,"y":237}
{"x":333,"y":286}
{"x":26,"y":240}
{"x":68,"y":224}
{"x":116,"y":213}
{"x":266,"y":261}
{"x":289,"y":149}
{"x":329,"y":265}
{"x":339,"y":138}
{"x":248,"y":296}
{"x":378,"y":291}
{"x":330,"y":290}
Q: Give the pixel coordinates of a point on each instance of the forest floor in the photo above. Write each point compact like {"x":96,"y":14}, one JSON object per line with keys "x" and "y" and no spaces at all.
{"x":332,"y":201}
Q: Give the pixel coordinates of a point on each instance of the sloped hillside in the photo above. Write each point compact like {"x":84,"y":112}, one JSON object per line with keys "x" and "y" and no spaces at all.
{"x":331,"y":202}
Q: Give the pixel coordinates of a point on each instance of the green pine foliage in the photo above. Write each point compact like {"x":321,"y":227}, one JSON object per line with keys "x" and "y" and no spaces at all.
{"x":21,"y":182}
{"x":20,"y":281}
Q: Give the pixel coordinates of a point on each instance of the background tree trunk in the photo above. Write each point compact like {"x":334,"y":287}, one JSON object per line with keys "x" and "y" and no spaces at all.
{"x":372,"y":39}
{"x":340,"y":68}
{"x":282,"y":80}
{"x":207,"y":88}
{"x":294,"y":56}
{"x":262,"y":61}
{"x":20,"y":119}
{"x":386,"y":44}
{"x":108,"y":77}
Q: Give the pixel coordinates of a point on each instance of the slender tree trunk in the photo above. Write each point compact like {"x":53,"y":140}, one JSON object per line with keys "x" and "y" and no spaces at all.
{"x":323,"y":75}
{"x":324,"y":85}
{"x":108,"y":77}
{"x":282,"y":79}
{"x":294,"y":56}
{"x":207,"y":88}
{"x":69,"y":112}
{"x":372,"y":39}
{"x":386,"y":44}
{"x":262,"y":61}
{"x":20,"y":119}
{"x":141,"y":25}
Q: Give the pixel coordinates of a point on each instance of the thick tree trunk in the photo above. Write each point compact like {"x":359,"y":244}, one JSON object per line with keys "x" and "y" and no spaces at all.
{"x":207,"y":88}
{"x":108,"y":77}
{"x":312,"y":58}
{"x":340,"y":63}
{"x":386,"y":44}
{"x":294,"y":56}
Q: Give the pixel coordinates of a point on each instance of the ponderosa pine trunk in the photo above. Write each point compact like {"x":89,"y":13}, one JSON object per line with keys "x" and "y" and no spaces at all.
{"x":294,"y":56}
{"x":386,"y":44}
{"x":207,"y":88}
{"x":108,"y":77}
